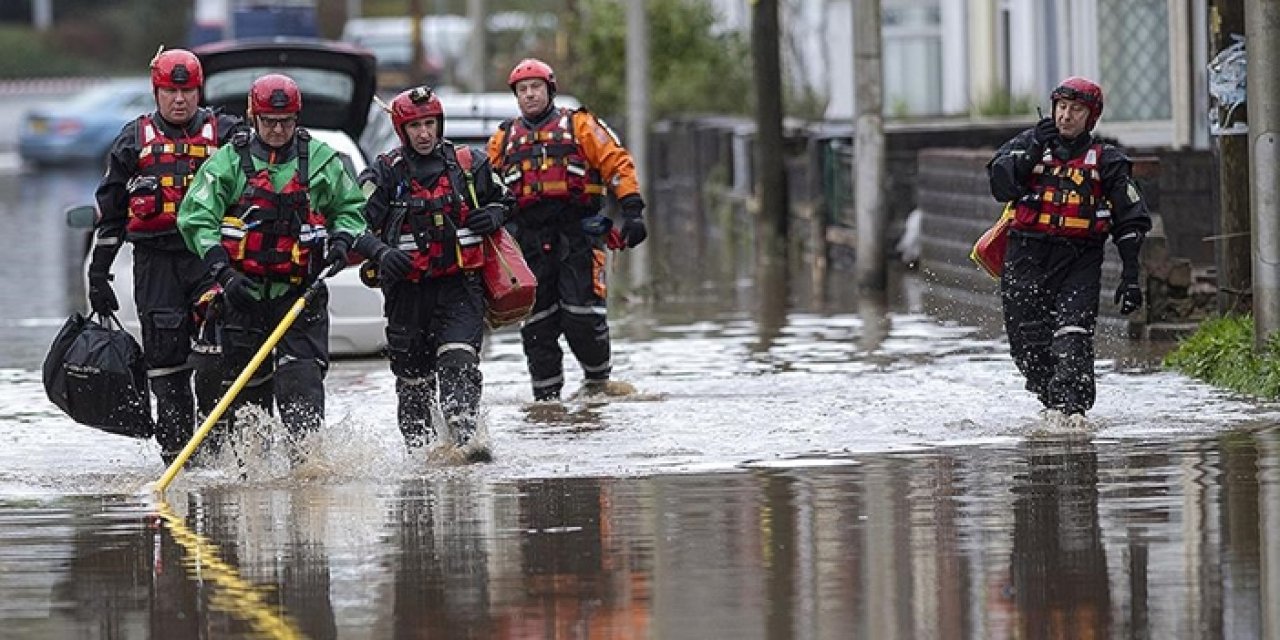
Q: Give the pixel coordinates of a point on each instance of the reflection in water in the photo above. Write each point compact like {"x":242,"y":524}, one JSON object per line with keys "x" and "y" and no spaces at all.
{"x":203,"y":563}
{"x":874,"y":312}
{"x":1059,"y":565}
{"x":771,"y":303}
{"x":1048,"y":538}
{"x":576,"y":577}
{"x":440,"y":533}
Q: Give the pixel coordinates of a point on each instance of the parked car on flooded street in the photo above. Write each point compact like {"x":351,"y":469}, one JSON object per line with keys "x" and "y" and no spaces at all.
{"x":338,"y":82}
{"x":80,"y":129}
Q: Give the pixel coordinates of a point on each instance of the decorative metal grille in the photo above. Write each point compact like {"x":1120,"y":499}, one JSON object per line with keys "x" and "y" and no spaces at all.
{"x":1133,"y":37}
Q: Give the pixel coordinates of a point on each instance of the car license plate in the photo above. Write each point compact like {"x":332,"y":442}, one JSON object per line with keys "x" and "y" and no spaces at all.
{"x":39,"y":126}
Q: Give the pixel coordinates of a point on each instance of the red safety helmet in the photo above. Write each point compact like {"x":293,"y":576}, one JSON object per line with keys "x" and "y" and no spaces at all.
{"x":414,"y":104}
{"x":274,"y":94}
{"x":533,"y":68}
{"x":1084,"y":91}
{"x":176,"y":69}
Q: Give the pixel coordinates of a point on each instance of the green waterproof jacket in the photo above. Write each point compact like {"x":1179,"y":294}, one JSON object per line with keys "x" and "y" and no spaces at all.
{"x":220,"y":181}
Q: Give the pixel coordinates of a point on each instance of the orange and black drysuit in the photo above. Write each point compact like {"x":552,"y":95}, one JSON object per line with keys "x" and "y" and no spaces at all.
{"x":559,"y":167}
{"x":421,"y":205}
{"x":1069,"y":196}
{"x":149,"y":168}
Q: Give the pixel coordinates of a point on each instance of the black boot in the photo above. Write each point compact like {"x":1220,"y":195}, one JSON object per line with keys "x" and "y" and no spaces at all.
{"x":175,"y":413}
{"x":416,"y":399}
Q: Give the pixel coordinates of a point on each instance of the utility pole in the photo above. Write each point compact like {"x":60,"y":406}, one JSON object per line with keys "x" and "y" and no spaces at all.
{"x":478,"y":48}
{"x":42,"y":14}
{"x":417,"y":63}
{"x":1232,"y":253}
{"x":868,"y":148}
{"x":771,"y":227}
{"x":1262,"y":36}
{"x":638,"y":117}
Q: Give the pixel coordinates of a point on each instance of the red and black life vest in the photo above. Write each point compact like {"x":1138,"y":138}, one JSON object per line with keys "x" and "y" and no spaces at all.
{"x":430,"y":220}
{"x":546,"y":164}
{"x":1066,"y":198}
{"x":165,"y":168}
{"x":272,"y":234}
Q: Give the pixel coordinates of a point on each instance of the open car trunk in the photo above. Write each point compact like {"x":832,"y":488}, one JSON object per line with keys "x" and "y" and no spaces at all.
{"x":337,"y":79}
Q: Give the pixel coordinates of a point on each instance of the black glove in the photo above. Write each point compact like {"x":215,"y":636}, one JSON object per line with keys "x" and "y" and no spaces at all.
{"x":237,"y":289}
{"x":633,"y":231}
{"x":393,"y":265}
{"x":487,"y":220}
{"x":1045,"y":132}
{"x":336,"y":258}
{"x":102,"y":298}
{"x":1129,"y":293}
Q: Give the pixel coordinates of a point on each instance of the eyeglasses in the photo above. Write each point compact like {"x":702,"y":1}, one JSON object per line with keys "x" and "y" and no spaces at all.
{"x":277,"y":123}
{"x":1069,"y":93}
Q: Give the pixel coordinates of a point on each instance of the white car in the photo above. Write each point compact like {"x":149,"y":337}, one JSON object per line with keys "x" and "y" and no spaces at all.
{"x":338,"y":83}
{"x":356,"y":324}
{"x":469,"y":118}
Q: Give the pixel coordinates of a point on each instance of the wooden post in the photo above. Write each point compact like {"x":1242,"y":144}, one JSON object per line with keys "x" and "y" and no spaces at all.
{"x":1232,"y":249}
{"x":771,"y":227}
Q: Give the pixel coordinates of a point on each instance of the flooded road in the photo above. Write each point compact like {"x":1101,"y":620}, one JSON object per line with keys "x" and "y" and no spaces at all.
{"x":786,"y":470}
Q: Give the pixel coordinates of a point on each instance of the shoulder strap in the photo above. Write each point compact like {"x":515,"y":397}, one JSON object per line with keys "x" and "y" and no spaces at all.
{"x":506,"y":133}
{"x":463,"y":156}
{"x":303,"y":147}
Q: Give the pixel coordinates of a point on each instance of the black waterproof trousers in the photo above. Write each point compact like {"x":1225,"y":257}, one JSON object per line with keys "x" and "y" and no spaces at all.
{"x":434,"y":331}
{"x":572,"y":289}
{"x":293,"y":376}
{"x":166,"y":285}
{"x":1050,"y":289}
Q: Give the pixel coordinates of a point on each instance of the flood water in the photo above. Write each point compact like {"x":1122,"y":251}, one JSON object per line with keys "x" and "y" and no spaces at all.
{"x":786,"y":470}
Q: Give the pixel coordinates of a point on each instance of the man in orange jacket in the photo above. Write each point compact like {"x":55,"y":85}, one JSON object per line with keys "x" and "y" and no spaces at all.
{"x":559,"y":163}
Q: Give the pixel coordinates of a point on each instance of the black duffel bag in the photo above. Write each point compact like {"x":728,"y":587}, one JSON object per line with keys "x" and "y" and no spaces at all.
{"x":96,"y":374}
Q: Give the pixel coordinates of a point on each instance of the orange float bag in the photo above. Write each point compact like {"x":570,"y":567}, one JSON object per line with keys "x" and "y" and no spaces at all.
{"x":988,"y":251}
{"x":509,"y":285}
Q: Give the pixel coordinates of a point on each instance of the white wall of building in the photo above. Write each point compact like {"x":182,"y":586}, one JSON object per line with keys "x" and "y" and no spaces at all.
{"x":943,"y":57}
{"x":839,"y":45}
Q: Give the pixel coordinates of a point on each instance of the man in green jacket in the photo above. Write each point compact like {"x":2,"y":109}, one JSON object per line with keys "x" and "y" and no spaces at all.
{"x":268,"y":214}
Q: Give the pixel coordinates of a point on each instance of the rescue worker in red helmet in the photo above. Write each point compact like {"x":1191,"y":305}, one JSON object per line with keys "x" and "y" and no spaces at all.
{"x":430,"y":205}
{"x":149,"y":169}
{"x":268,"y":214}
{"x":560,"y":163}
{"x":1070,"y":192}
